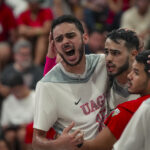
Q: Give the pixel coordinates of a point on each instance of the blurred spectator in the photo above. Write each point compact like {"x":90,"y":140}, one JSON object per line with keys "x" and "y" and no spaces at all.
{"x":5,"y":55}
{"x":4,"y":144}
{"x":23,"y":63}
{"x":17,"y":108}
{"x":96,"y":41}
{"x":61,"y":7}
{"x":137,"y":18}
{"x":116,"y":8}
{"x":95,"y":13}
{"x":7,"y":23}
{"x":18,"y":6}
{"x":34,"y":24}
{"x":73,"y":7}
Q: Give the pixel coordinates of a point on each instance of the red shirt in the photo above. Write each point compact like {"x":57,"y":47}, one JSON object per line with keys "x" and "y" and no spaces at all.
{"x":45,"y":14}
{"x":119,"y":118}
{"x":7,"y":21}
{"x":29,"y":133}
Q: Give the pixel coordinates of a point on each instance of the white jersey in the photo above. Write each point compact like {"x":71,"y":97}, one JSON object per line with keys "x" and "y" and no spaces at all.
{"x":119,"y":94}
{"x":136,"y":135}
{"x":18,"y":111}
{"x":63,"y":97}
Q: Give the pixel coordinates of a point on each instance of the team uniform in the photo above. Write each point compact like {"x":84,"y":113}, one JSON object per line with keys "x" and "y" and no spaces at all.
{"x":63,"y":97}
{"x":136,"y":136}
{"x":119,"y":94}
{"x":119,"y":118}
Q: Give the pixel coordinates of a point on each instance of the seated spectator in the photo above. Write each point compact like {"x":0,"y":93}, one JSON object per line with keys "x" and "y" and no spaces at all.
{"x":116,"y":9}
{"x":96,"y":41}
{"x":7,"y":23}
{"x":18,"y":6}
{"x":69,"y":7}
{"x":23,"y":64}
{"x":17,"y":109}
{"x":34,"y":24}
{"x":95,"y":13}
{"x":141,"y":24}
{"x":4,"y":144}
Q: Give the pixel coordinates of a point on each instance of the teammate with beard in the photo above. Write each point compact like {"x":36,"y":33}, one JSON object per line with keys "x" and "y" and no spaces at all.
{"x":74,"y":90}
{"x":138,"y":83}
{"x":121,"y":47}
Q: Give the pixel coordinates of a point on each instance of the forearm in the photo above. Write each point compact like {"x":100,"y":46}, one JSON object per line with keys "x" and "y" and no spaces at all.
{"x":44,"y":30}
{"x":66,"y":141}
{"x":34,"y":31}
{"x":41,"y":143}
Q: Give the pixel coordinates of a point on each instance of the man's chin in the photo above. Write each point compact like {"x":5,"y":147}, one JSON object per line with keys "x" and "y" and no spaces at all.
{"x":131,"y":92}
{"x":111,"y":74}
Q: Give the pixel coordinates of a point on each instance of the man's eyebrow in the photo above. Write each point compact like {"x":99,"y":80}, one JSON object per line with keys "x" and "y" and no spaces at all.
{"x":58,"y":36}
{"x":64,"y":34}
{"x":111,"y":49}
{"x":70,"y":33}
{"x":114,"y":50}
{"x":135,"y":69}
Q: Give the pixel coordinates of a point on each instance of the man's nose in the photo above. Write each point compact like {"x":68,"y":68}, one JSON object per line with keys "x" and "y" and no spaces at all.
{"x":109,"y":57}
{"x":129,"y":76}
{"x":65,"y":40}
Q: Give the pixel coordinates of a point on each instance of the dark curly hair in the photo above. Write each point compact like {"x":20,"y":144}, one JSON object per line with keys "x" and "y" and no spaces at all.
{"x":130,"y":37}
{"x":142,"y":57}
{"x":67,"y":19}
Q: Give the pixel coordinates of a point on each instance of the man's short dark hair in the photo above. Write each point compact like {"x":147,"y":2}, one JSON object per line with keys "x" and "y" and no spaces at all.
{"x":142,"y":57}
{"x":130,"y":37}
{"x":67,"y":19}
{"x":13,"y":79}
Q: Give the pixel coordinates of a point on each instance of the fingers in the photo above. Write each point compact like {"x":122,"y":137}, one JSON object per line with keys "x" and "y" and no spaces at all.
{"x":78,"y":139}
{"x":66,"y":130}
{"x":76,"y":132}
{"x":148,"y":61}
{"x":50,"y":37}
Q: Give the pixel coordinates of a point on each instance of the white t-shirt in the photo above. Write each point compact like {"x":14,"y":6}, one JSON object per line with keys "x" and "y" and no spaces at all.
{"x":16,"y":112}
{"x":136,"y":135}
{"x":63,"y":97}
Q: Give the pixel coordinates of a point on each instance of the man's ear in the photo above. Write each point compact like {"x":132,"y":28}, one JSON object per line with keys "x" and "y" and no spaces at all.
{"x":134,"y":53}
{"x":85,"y":38}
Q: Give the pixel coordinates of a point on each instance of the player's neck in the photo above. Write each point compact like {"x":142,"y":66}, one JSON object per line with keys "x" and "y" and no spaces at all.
{"x":122,"y":78}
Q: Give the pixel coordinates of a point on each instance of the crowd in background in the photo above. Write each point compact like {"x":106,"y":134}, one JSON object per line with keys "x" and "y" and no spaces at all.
{"x":24,"y":34}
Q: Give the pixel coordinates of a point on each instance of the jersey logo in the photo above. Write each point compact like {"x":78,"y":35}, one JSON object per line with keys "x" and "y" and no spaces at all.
{"x":76,"y":103}
{"x":115,"y":112}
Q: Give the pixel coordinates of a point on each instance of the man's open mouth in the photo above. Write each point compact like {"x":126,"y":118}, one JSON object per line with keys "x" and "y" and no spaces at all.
{"x":70,"y":53}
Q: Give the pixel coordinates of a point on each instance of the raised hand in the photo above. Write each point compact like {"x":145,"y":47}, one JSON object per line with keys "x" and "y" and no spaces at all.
{"x":51,"y":48}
